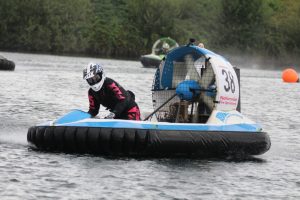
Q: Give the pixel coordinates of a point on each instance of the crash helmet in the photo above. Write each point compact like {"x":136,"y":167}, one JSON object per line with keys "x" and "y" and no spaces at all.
{"x":165,"y":46}
{"x":94,"y":75}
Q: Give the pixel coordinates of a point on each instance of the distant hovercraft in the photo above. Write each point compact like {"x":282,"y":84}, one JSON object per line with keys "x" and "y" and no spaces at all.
{"x":7,"y":65}
{"x":159,"y":49}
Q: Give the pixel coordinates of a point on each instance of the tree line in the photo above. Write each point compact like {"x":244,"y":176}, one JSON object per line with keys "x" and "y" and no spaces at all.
{"x":128,"y":28}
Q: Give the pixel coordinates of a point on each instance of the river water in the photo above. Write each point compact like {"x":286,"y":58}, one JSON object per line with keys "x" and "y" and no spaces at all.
{"x":44,"y":87}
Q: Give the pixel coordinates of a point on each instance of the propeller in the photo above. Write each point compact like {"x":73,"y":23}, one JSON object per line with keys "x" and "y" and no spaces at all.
{"x":187,"y":90}
{"x":196,"y":87}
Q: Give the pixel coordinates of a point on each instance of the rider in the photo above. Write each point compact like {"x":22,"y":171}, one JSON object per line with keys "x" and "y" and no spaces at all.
{"x":165,"y":47}
{"x":107,"y":92}
{"x":201,"y":45}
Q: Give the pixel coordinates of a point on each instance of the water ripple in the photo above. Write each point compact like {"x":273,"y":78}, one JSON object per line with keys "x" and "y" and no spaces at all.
{"x":43,"y":87}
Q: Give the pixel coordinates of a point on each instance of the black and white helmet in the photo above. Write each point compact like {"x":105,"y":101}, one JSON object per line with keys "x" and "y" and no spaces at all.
{"x":94,"y":75}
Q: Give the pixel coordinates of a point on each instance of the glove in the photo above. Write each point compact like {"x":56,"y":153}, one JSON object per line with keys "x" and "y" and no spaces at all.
{"x":110,"y":116}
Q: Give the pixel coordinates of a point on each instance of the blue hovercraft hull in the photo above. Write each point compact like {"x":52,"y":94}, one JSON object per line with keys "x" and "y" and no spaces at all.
{"x":140,"y":138}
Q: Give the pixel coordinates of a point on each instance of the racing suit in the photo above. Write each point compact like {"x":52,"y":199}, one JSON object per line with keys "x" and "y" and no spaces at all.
{"x":116,"y":99}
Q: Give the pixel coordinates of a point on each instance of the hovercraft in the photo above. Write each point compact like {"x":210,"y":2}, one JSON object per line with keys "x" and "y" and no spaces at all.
{"x":6,"y":64}
{"x":159,"y":49}
{"x":196,"y":98}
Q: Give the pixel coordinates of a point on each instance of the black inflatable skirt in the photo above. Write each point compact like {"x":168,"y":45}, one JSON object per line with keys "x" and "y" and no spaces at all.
{"x":140,"y":142}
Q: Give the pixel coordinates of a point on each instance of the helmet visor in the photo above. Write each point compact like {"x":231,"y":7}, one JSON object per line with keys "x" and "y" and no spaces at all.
{"x":94,"y":80}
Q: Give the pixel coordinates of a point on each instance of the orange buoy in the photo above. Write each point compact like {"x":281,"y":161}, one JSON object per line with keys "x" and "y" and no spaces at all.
{"x":290,"y":76}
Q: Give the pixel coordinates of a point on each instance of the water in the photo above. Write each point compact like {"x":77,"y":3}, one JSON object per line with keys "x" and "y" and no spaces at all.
{"x":43,"y":87}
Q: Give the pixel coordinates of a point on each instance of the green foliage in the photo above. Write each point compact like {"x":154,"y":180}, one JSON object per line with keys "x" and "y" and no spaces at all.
{"x":243,"y":24}
{"x":128,"y":28}
{"x":152,"y":19}
{"x":44,"y":26}
{"x":284,"y":29}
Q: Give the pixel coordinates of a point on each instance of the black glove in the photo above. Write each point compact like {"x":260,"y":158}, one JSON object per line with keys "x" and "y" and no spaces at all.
{"x":110,"y":116}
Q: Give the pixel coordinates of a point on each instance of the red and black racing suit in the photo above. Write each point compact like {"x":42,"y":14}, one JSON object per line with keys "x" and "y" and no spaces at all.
{"x":115,"y":98}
